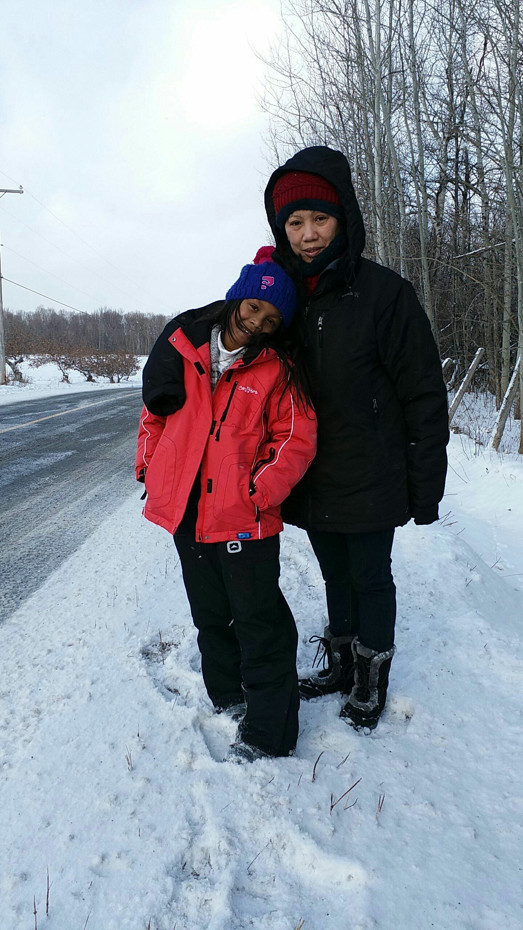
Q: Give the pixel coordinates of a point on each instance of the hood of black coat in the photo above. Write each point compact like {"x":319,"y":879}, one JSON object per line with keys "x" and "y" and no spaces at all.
{"x":334,"y":167}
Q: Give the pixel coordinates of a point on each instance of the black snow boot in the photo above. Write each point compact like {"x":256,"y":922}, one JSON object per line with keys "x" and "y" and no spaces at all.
{"x":236,"y":710}
{"x":338,"y":673}
{"x":371,"y":678}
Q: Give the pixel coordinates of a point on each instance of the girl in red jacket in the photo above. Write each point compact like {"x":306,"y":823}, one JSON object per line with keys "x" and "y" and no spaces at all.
{"x":225,"y":434}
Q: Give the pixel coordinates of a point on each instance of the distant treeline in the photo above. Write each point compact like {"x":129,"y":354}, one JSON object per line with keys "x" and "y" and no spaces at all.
{"x":45,"y":331}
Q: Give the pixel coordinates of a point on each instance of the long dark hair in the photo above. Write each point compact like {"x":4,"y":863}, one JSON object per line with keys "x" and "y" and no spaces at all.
{"x":293,"y":372}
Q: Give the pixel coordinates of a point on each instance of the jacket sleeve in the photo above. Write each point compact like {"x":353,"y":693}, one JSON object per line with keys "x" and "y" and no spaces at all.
{"x":410,"y":357}
{"x":289,"y":449}
{"x":163,"y":387}
{"x":150,"y":429}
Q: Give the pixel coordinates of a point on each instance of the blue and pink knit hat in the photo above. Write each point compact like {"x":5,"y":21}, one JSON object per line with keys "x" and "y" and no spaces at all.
{"x":265,"y":280}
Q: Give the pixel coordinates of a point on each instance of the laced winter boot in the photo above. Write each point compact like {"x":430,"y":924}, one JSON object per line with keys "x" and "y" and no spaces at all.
{"x":371,"y":677}
{"x":337,"y":674}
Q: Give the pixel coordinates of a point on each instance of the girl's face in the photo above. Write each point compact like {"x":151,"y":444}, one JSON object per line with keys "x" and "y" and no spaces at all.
{"x":310,"y":232}
{"x":253,"y":318}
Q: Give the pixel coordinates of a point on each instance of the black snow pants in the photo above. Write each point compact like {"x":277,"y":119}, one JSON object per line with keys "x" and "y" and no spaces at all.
{"x":361,"y":595}
{"x":246,"y":635}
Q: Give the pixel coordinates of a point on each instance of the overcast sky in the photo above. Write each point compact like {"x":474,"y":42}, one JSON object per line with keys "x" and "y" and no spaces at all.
{"x":134,"y":129}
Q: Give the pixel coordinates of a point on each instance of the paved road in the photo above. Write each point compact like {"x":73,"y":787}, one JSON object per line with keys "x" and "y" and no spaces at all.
{"x":65,"y":464}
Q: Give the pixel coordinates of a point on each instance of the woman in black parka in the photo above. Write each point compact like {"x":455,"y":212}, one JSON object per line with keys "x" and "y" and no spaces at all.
{"x":381,"y":404}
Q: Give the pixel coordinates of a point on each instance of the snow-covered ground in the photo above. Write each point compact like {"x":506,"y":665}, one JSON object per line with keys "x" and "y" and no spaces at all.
{"x":111,"y":779}
{"x":476,"y":415}
{"x":46,"y":381}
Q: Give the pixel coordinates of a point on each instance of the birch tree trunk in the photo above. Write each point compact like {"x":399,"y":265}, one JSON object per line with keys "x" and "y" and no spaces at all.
{"x":504,"y":409}
{"x":507,"y":307}
{"x":417,"y":147}
{"x":465,"y":383}
{"x":374,"y":44}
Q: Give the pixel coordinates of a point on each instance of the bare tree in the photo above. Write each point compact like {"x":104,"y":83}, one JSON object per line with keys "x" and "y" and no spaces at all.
{"x":425,"y":99}
{"x":116,"y":366}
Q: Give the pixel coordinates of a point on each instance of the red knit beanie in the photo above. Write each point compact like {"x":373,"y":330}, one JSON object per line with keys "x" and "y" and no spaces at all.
{"x":299,"y":190}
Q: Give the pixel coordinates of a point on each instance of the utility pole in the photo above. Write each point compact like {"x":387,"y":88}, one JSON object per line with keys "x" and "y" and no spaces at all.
{"x":3,"y":376}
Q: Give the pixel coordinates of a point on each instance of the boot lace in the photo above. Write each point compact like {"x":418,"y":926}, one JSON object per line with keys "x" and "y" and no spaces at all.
{"x":323,"y":652}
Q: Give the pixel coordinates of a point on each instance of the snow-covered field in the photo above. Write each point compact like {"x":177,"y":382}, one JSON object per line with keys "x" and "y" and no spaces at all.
{"x":46,"y":380}
{"x":111,"y":775}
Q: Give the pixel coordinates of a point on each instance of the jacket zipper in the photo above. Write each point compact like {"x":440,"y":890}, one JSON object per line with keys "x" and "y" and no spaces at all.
{"x":303,"y":325}
{"x":262,"y":462}
{"x":320,"y":330}
{"x":225,"y":412}
{"x":252,"y":486}
{"x":319,"y":324}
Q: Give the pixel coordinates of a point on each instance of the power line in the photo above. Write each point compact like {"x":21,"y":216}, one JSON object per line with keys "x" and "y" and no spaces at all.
{"x":88,"y":244}
{"x":52,"y":275}
{"x":57,"y":247}
{"x":16,"y":284}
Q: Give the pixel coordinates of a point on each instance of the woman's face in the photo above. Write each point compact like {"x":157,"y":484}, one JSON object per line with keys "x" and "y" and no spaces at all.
{"x":310,"y":232}
{"x":254,"y":318}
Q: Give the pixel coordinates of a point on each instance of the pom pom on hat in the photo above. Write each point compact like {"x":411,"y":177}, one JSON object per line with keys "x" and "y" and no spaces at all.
{"x":299,"y":190}
{"x":264,"y":254}
{"x":266,"y":281}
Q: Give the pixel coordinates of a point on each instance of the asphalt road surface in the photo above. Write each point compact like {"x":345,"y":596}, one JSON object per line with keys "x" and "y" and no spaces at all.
{"x":66,"y":463}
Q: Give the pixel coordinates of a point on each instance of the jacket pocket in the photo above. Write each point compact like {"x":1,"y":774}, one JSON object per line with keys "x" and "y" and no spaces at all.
{"x":231,"y":502}
{"x":160,"y":477}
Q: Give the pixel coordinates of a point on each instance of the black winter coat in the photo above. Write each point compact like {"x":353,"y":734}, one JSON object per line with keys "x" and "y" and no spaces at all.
{"x":377,"y":384}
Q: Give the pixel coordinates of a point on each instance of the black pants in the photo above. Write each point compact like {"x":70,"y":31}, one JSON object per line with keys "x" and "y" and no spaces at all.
{"x":361,"y":595}
{"x":246,"y":635}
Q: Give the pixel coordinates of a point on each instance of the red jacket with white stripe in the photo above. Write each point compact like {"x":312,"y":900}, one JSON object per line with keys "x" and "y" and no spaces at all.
{"x":249,"y":439}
